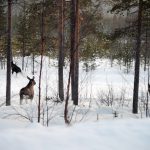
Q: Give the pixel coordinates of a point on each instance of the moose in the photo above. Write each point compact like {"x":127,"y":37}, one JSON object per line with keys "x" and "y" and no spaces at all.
{"x":15,"y":68}
{"x":27,"y":91}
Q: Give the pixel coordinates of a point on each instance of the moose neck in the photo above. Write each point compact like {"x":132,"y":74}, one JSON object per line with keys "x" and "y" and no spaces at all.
{"x":29,"y":84}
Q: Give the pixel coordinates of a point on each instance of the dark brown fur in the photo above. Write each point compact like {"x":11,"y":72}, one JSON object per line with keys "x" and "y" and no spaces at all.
{"x":15,"y":68}
{"x":28,"y":90}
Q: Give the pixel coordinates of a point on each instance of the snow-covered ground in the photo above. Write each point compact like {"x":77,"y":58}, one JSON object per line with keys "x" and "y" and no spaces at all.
{"x":94,"y":125}
{"x":91,"y":83}
{"x":104,"y":135}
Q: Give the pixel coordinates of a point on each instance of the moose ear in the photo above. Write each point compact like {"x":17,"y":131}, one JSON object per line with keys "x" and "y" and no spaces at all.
{"x":28,"y":78}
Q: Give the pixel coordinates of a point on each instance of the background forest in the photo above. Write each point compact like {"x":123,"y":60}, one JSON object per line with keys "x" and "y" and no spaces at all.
{"x":75,"y":31}
{"x":103,"y":33}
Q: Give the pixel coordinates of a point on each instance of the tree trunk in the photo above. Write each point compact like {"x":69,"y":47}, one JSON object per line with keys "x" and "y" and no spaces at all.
{"x":9,"y":57}
{"x":67,"y":121}
{"x":23,"y":44}
{"x":41,"y":62}
{"x":33,"y":58}
{"x":61,"y":51}
{"x":74,"y":64}
{"x":76,"y":72}
{"x":74,"y":49}
{"x":23,"y":54}
{"x":137,"y":60}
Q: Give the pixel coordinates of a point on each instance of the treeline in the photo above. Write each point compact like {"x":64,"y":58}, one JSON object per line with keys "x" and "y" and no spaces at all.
{"x":124,"y":39}
{"x":101,"y":34}
{"x":112,"y":37}
{"x":26,"y":30}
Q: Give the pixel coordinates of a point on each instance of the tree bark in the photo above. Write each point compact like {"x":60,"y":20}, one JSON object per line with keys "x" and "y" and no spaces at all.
{"x":23,"y":44}
{"x":137,"y":60}
{"x":74,"y":49}
{"x":67,"y":121}
{"x":61,"y":51}
{"x":76,"y":72}
{"x":33,"y":59}
{"x":9,"y":57}
{"x":41,"y":62}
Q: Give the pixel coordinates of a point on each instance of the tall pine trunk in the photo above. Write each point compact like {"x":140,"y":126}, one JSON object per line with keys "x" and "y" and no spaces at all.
{"x":74,"y":49}
{"x":9,"y":57}
{"x":74,"y":58}
{"x":137,"y":60}
{"x":41,"y":62}
{"x":76,"y":72}
{"x":61,"y":51}
{"x":23,"y":44}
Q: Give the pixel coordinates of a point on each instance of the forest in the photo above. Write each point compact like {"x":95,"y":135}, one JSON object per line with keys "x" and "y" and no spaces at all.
{"x":73,"y":66}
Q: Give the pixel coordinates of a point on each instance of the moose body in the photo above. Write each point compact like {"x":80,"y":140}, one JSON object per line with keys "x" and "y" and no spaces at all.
{"x":27,"y":91}
{"x":15,"y":68}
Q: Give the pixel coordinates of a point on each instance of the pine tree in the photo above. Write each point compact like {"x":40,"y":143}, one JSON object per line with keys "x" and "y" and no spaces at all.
{"x":74,"y":49}
{"x":137,"y":59}
{"x":9,"y":57}
{"x":61,"y":51}
{"x":127,"y":5}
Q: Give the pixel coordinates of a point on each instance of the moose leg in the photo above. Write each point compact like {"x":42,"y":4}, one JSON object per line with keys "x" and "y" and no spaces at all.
{"x":21,"y":99}
{"x":31,"y":98}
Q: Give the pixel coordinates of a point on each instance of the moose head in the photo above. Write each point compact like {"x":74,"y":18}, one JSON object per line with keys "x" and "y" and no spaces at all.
{"x":31,"y":81}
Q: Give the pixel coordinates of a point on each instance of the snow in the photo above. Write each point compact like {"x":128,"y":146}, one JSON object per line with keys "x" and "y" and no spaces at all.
{"x":90,"y":83}
{"x":93,"y":124}
{"x":106,"y":135}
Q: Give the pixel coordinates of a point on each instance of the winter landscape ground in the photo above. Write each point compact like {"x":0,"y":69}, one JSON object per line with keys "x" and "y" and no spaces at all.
{"x":102,"y":121}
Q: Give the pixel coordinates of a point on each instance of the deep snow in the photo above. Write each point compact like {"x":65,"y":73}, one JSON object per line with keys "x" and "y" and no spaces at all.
{"x":93,"y":124}
{"x":103,"y":135}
